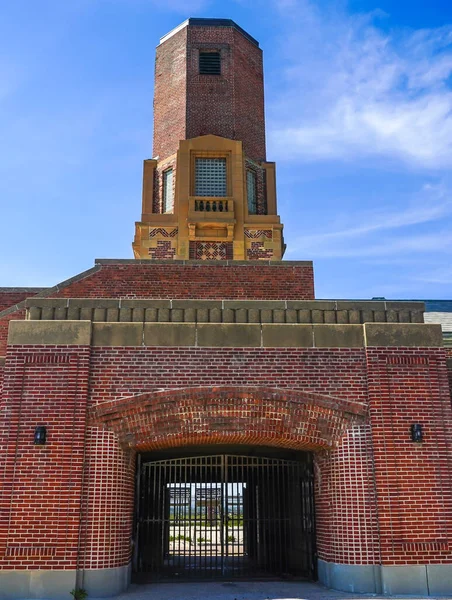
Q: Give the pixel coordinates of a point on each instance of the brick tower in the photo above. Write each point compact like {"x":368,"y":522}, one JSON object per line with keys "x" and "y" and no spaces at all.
{"x":209,"y":192}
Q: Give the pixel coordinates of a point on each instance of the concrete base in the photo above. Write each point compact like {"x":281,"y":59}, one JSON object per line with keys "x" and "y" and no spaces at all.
{"x":361,"y":579}
{"x":16,"y":585}
{"x":99,"y":583}
{"x":425,"y":580}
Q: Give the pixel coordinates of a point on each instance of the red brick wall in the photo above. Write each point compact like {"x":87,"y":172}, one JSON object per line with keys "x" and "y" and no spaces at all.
{"x":10,"y":297}
{"x":230,"y":105}
{"x":345,"y":501}
{"x":216,"y":282}
{"x":414,"y":480}
{"x":41,"y":485}
{"x":2,"y":369}
{"x":409,"y":516}
{"x":4,"y":325}
{"x":170,"y":95}
{"x":124,"y":372}
{"x":106,"y":536}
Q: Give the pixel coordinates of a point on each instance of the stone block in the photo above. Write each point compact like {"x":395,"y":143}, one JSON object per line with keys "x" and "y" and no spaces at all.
{"x":170,"y":334}
{"x":164,"y":315}
{"x":287,"y":335}
{"x":279,"y":316}
{"x":195,"y":304}
{"x":406,"y":579}
{"x":117,"y":334}
{"x":146,"y":303}
{"x":266,"y":315}
{"x":338,"y":336}
{"x":151,"y":315}
{"x":260,"y":304}
{"x":47,"y":313}
{"x":254,"y":315}
{"x":215,"y":315}
{"x":439,"y":580}
{"x":73,"y":313}
{"x":34,"y":313}
{"x":403,"y":334}
{"x":86,"y":313}
{"x":99,"y":314}
{"x":312,"y":304}
{"x":66,"y":333}
{"x":177,"y":315}
{"x":125,"y":315}
{"x":229,"y":335}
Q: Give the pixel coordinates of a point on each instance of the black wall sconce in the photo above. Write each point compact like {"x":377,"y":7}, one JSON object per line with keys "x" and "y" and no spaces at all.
{"x":40,"y":436}
{"x":417,"y":433}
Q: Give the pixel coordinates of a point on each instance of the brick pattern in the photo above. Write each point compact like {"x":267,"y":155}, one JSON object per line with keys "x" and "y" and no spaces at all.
{"x":255,"y":234}
{"x":108,"y":502}
{"x":211,"y":250}
{"x":414,"y":480}
{"x":41,"y":487}
{"x":171,"y":233}
{"x":346,"y":509}
{"x":258,"y":251}
{"x":123,"y":372}
{"x":229,"y":415}
{"x":164,"y":250}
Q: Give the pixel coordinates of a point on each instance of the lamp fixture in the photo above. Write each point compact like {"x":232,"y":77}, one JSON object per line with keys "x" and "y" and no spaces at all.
{"x":417,"y":433}
{"x":40,"y":436}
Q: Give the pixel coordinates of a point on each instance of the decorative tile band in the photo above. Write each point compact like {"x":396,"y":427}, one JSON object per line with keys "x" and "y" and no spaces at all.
{"x":163,"y":232}
{"x":257,"y":233}
{"x":211,"y":250}
{"x":259,"y":252}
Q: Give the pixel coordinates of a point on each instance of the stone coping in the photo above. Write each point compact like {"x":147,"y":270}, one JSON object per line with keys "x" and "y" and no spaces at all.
{"x":205,"y":263}
{"x":341,"y":312}
{"x":224,"y":335}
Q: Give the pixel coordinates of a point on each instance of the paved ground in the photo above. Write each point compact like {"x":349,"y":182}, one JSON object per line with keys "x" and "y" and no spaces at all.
{"x":257,"y":590}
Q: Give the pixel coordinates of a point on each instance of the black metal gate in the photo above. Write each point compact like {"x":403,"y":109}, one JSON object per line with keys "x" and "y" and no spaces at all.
{"x":225,"y":516}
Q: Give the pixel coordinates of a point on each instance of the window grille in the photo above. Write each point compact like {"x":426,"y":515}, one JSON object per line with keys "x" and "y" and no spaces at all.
{"x":210,"y":177}
{"x":251,"y":189}
{"x":209,"y":63}
{"x":168,"y":196}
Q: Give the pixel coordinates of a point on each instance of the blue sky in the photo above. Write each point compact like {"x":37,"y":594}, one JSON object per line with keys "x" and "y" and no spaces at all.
{"x":359,"y":121}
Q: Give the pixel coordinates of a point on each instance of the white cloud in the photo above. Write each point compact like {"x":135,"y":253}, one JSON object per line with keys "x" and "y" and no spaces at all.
{"x":351,"y":91}
{"x":386,"y":232}
{"x":441,"y":276}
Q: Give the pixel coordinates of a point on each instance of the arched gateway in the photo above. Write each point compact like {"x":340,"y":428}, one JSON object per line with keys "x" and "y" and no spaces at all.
{"x":225,"y":477}
{"x":195,"y":410}
{"x":258,"y":416}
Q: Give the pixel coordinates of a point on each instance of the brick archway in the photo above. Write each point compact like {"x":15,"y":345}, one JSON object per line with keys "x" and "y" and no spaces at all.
{"x":228,"y":415}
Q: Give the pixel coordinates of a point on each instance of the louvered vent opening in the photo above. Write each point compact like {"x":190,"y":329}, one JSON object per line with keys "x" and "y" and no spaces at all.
{"x":209,"y":63}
